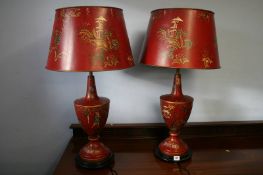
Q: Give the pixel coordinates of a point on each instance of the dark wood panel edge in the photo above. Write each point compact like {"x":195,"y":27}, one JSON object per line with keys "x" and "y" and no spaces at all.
{"x":192,"y":129}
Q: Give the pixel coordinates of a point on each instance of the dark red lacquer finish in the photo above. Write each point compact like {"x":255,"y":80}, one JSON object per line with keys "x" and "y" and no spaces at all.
{"x":92,"y":112}
{"x":89,"y":39}
{"x":176,"y":109}
{"x":179,"y":38}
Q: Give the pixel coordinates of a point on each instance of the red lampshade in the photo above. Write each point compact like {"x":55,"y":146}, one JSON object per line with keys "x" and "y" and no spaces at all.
{"x":89,"y":39}
{"x":181,"y":38}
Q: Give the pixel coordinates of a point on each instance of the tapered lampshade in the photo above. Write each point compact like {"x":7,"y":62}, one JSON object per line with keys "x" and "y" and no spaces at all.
{"x":89,"y":39}
{"x":181,"y":38}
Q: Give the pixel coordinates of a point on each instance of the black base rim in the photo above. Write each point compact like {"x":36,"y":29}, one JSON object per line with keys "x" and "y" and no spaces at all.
{"x":95,"y":165}
{"x":168,"y":158}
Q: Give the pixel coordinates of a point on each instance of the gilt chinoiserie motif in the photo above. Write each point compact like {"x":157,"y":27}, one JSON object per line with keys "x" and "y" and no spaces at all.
{"x":71,"y":12}
{"x":103,"y":41}
{"x":55,"y":48}
{"x":176,"y":39}
{"x":97,"y":38}
{"x":92,"y":118}
{"x":172,"y":42}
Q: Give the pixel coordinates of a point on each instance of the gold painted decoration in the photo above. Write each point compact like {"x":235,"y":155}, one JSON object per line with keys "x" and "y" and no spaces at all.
{"x":167,"y":111}
{"x":207,"y":61}
{"x":89,"y":39}
{"x":96,"y":121}
{"x":65,"y":14}
{"x":71,"y":12}
{"x":110,"y":61}
{"x":98,"y":37}
{"x":130,"y":59}
{"x":176,"y":39}
{"x":170,"y":144}
{"x":86,"y":114}
{"x":179,"y":59}
{"x":103,"y":40}
{"x":54,"y":49}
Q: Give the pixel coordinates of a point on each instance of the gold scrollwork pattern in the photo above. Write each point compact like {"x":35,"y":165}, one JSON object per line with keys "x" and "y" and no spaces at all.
{"x":96,"y":120}
{"x":207,"y":61}
{"x":130,"y":60}
{"x":167,"y":111}
{"x":110,"y":61}
{"x":86,"y":113}
{"x":103,"y":41}
{"x":71,"y":12}
{"x":54,"y":49}
{"x":65,"y":14}
{"x":170,"y":144}
{"x":179,"y":59}
{"x":176,"y":39}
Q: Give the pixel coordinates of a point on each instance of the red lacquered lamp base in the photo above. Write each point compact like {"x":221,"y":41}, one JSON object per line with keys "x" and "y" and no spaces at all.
{"x":173,"y":149}
{"x":92,"y":112}
{"x":176,"y":109}
{"x":94,"y":155}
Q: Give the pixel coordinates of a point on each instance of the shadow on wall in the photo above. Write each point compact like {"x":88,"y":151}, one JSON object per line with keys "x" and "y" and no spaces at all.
{"x":137,"y":46}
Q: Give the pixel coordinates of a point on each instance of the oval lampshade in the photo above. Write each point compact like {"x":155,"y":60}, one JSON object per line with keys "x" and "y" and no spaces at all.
{"x":89,"y":38}
{"x":181,"y":38}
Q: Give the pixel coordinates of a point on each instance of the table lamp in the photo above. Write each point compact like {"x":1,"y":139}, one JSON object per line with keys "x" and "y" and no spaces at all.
{"x":90,"y":39}
{"x":179,"y":38}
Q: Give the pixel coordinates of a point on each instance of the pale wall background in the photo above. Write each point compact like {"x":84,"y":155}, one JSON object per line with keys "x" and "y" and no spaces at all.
{"x":36,"y":104}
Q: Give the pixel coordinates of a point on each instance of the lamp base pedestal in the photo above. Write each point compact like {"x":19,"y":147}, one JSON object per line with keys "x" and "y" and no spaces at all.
{"x":94,"y":155}
{"x":92,"y":112}
{"x":94,"y":165}
{"x":173,"y":149}
{"x":174,"y":159}
{"x":176,"y":109}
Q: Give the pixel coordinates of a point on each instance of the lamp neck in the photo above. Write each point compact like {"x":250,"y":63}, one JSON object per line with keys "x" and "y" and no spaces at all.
{"x":91,"y":93}
{"x":177,"y":86}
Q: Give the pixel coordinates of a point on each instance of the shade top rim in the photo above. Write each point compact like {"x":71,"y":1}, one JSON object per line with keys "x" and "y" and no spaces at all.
{"x":106,"y":7}
{"x":194,"y":9}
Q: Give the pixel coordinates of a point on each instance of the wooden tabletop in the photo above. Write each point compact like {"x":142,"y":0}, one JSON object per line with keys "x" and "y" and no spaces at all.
{"x":220,"y":155}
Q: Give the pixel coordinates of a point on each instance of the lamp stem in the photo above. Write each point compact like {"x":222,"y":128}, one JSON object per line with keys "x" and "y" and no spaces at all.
{"x":91,"y":93}
{"x":177,"y":85}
